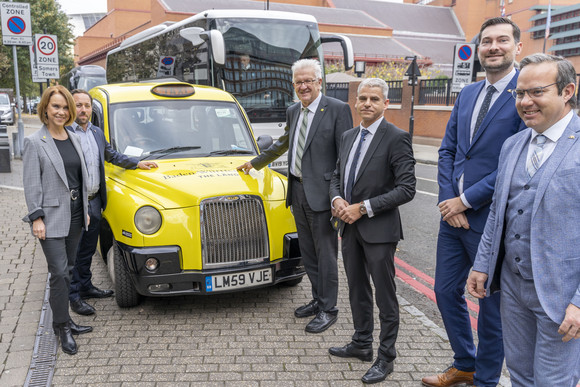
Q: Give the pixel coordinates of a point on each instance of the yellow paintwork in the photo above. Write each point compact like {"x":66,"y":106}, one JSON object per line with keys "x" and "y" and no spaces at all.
{"x":178,"y":186}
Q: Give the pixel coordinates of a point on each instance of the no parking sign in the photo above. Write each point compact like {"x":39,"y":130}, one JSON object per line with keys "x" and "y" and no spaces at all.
{"x":462,"y":66}
{"x":16,"y":25}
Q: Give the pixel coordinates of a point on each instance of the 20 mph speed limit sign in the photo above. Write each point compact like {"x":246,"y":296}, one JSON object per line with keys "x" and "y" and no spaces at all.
{"x":46,"y":48}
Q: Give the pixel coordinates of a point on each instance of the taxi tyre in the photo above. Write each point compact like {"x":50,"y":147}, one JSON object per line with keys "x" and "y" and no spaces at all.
{"x":125,"y":293}
{"x":292,"y":283}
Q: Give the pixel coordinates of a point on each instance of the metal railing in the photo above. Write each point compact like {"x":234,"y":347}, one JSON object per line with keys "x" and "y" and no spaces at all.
{"x":395,"y":91}
{"x":436,"y":92}
{"x":337,"y":90}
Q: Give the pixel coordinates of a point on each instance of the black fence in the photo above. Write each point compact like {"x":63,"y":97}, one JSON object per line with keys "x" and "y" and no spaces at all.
{"x":338,"y":91}
{"x":395,"y":91}
{"x":436,"y":92}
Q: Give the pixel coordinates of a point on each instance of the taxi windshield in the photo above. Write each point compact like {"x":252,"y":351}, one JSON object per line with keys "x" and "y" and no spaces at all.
{"x":179,"y":129}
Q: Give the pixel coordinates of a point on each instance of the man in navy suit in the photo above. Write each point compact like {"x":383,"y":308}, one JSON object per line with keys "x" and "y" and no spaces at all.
{"x":312,"y":135}
{"x":530,"y":239}
{"x":483,"y":117}
{"x":96,"y":150}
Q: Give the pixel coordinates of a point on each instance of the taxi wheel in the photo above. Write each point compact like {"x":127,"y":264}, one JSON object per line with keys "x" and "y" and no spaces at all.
{"x":293,"y":282}
{"x":125,"y":293}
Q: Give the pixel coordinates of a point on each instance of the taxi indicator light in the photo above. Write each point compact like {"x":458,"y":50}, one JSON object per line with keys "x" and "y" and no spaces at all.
{"x":174,"y":91}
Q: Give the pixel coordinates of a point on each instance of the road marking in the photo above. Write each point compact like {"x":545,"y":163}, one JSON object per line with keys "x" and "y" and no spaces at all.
{"x":12,"y":187}
{"x":426,"y":193}
{"x":427,"y":291}
{"x":429,"y":180}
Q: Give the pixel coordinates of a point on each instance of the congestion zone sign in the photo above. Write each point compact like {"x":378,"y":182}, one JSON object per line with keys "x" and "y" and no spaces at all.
{"x":16,"y":26}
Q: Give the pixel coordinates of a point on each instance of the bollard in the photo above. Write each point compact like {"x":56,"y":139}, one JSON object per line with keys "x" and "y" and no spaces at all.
{"x":5,"y":155}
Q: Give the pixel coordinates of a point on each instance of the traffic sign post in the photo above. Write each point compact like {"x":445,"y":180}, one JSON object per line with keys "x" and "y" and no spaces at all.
{"x":462,"y":66}
{"x":16,"y":31}
{"x":34,"y":67}
{"x":16,"y":25}
{"x":46,"y":49}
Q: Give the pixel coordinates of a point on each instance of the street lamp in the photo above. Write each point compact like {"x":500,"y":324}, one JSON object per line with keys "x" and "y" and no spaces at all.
{"x":359,"y":67}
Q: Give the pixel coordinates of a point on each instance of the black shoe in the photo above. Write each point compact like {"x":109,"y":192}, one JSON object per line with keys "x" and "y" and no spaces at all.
{"x":378,"y":372}
{"x":81,"y":307}
{"x":350,"y":350}
{"x":79,"y":329}
{"x":307,"y":310}
{"x":321,"y":322}
{"x":95,"y":292}
{"x":67,"y":341}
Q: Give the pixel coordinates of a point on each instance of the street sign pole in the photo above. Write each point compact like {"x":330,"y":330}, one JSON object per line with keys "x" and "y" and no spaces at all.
{"x":412,"y":72}
{"x":18,"y":149}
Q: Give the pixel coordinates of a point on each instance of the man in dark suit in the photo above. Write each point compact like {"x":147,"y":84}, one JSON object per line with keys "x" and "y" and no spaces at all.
{"x":96,"y":150}
{"x":484,"y":116}
{"x":374,"y":175}
{"x":312,"y":136}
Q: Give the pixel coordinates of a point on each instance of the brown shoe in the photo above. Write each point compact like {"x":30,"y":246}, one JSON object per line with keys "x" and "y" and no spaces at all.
{"x":450,"y":377}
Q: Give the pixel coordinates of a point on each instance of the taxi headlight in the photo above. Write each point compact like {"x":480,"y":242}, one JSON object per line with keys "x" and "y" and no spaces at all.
{"x":147,"y":220}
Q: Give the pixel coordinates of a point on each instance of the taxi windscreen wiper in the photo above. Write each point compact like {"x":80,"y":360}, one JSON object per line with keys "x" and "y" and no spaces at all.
{"x":231,"y":152}
{"x":173,"y":149}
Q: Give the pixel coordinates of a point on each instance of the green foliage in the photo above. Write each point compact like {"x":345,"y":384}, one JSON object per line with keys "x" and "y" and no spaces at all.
{"x":389,"y":71}
{"x":47,"y":17}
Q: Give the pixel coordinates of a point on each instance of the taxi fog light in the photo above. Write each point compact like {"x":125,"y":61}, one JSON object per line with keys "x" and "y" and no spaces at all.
{"x":147,"y":220}
{"x":159,"y":287}
{"x":152,"y":264}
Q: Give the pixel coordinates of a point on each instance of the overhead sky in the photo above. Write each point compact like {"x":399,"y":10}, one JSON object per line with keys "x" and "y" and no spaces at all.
{"x":83,"y":6}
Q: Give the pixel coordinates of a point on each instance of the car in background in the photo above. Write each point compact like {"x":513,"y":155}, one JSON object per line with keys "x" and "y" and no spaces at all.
{"x":195,"y":225}
{"x":6,"y":110}
{"x":84,"y":77}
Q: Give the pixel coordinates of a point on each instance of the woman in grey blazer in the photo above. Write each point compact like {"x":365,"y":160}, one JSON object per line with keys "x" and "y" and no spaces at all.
{"x":55,"y":178}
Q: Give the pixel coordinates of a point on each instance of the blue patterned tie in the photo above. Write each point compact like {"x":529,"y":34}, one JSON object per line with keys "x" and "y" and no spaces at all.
{"x":484,"y":108}
{"x":352,"y":172}
{"x":534,"y":162}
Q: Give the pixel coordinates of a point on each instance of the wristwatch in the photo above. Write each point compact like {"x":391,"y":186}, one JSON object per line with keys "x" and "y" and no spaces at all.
{"x":362,"y":208}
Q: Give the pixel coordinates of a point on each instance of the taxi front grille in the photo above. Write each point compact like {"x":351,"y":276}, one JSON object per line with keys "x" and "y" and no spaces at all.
{"x":233,"y":231}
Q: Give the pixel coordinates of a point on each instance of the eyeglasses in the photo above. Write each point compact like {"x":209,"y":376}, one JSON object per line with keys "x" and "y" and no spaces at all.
{"x":308,"y":82}
{"x":536,"y":92}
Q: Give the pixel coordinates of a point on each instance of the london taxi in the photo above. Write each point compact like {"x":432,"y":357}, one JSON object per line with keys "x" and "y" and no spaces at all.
{"x":195,"y":225}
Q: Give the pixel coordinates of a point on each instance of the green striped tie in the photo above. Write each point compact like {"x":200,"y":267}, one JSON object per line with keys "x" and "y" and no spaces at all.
{"x":301,"y":142}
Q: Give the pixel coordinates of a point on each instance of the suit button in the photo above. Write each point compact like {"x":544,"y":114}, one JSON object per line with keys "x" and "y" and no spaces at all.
{"x":468,"y":157}
{"x":526,"y":187}
{"x":517,"y":259}
{"x":517,"y":236}
{"x":520,"y":212}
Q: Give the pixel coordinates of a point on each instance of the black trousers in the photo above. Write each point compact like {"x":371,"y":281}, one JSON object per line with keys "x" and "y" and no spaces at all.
{"x":81,"y":278}
{"x":60,"y":256}
{"x":363,"y":261}
{"x":319,"y":248}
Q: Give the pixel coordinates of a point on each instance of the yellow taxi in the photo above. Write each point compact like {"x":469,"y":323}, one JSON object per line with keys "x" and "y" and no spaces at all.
{"x":195,"y":225}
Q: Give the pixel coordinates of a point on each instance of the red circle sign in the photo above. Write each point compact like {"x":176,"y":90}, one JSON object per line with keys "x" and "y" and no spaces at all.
{"x":46,"y":45}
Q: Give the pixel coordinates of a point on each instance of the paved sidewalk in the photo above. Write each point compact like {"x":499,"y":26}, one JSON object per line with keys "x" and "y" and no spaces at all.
{"x":242,"y":339}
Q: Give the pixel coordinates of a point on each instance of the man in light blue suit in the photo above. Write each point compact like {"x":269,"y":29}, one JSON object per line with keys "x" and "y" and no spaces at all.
{"x":530,"y":241}
{"x":483,"y":117}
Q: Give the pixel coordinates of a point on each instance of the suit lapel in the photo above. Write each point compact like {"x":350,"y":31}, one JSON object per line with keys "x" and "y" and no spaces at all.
{"x":471,"y":100}
{"x":346,"y":146}
{"x":377,"y":139}
{"x":293,"y":114}
{"x":503,"y":99}
{"x":318,"y":115}
{"x":568,"y":139}
{"x":511,"y":161}
{"x":53,"y":154}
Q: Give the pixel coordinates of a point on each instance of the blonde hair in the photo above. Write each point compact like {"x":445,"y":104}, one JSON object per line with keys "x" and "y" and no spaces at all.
{"x":43,"y":104}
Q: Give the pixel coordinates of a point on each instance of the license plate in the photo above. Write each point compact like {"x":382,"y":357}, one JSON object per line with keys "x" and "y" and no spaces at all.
{"x":246,"y":279}
{"x":279,"y":163}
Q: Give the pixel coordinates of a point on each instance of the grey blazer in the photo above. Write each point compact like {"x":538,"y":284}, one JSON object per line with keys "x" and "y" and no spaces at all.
{"x":555,"y":222}
{"x":45,"y":183}
{"x":330,"y":121}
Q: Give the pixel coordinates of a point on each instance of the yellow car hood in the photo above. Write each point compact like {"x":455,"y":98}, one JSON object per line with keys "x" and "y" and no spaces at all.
{"x":185,"y":182}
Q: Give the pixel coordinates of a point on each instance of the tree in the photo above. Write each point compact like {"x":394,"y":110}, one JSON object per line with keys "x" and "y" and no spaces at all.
{"x":46,"y":17}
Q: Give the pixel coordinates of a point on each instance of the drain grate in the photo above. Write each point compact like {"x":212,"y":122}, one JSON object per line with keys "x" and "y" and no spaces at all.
{"x":45,"y":346}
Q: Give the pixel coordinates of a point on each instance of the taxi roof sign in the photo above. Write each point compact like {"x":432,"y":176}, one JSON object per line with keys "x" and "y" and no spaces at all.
{"x":16,"y":25}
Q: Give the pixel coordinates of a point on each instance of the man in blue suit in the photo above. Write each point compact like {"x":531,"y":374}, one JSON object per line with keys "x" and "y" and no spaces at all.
{"x":96,"y":151}
{"x":530,"y":240}
{"x":483,"y":117}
